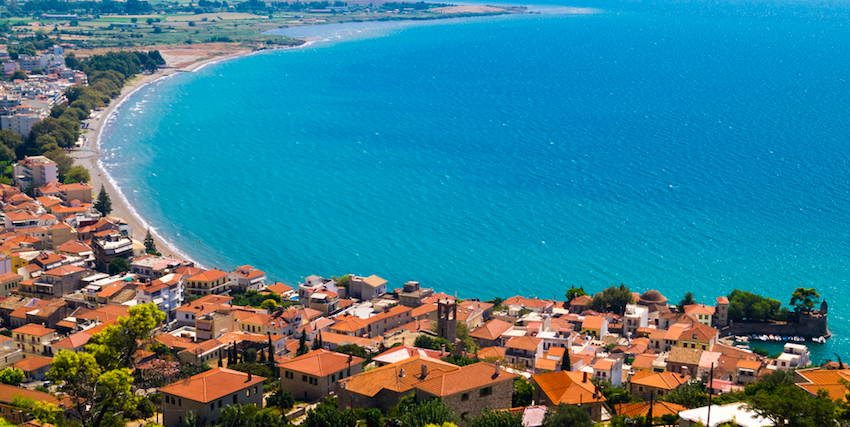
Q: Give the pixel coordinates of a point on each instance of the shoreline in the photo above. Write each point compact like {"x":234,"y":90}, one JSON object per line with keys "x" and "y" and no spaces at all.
{"x":89,"y":154}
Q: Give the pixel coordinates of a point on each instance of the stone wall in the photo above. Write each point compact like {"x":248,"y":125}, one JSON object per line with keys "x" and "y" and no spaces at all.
{"x":810,"y":325}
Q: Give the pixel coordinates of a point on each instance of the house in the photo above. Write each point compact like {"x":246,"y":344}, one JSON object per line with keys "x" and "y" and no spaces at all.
{"x":314,"y":375}
{"x":12,"y":413}
{"x":651,"y":385}
{"x":366,"y":288}
{"x":34,"y":339}
{"x":683,"y":360}
{"x":34,"y":367}
{"x":636,"y":316}
{"x":489,"y":334}
{"x":209,"y":282}
{"x":187,"y":313}
{"x":412,"y":294}
{"x":571,"y":388}
{"x":319,"y":294}
{"x":793,"y":356}
{"x":9,"y":281}
{"x":76,"y":191}
{"x":283,"y":290}
{"x":75,"y":342}
{"x":209,"y":352}
{"x":524,"y":351}
{"x":703,"y":313}
{"x":698,"y":336}
{"x":151,"y":267}
{"x":247,"y":278}
{"x":467,"y":390}
{"x":402,"y":353}
{"x":597,"y":326}
{"x":207,"y":393}
{"x":747,"y":371}
{"x":54,"y":283}
{"x":579,"y":304}
{"x":610,"y":370}
{"x":470,"y":390}
{"x":109,"y":246}
{"x":166,"y":292}
{"x":519,"y":304}
{"x":659,"y":409}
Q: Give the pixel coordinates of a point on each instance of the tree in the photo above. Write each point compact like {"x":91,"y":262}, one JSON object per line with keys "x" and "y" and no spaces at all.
{"x":100,"y":380}
{"x":574,"y":292}
{"x":12,"y":376}
{"x":317,"y":343}
{"x":490,"y":418}
{"x":432,"y":411}
{"x":302,"y":345}
{"x":250,"y":356}
{"x":281,"y":399}
{"x":565,"y":415}
{"x":103,"y":204}
{"x":747,"y":305}
{"x":18,"y":75}
{"x":117,"y":266}
{"x":37,"y":71}
{"x":523,"y":393}
{"x":269,"y":304}
{"x":466,"y":341}
{"x":77,"y":174}
{"x":149,"y":21}
{"x":612,"y":300}
{"x":804,"y":299}
{"x":353,"y":349}
{"x":789,"y":405}
{"x":192,"y":23}
{"x":150,"y":244}
{"x":687,"y":300}
{"x":157,"y":30}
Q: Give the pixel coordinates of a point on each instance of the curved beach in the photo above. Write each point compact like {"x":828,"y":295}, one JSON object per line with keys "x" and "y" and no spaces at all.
{"x":191,"y":59}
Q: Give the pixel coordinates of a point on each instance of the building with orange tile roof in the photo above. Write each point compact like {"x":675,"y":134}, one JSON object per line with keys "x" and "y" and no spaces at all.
{"x":75,"y":342}
{"x":425,"y":312}
{"x":403,"y":352}
{"x":579,"y":304}
{"x":610,"y":370}
{"x":209,"y":282}
{"x":572,"y":388}
{"x":187,"y":313}
{"x":491,"y":354}
{"x":13,"y":413}
{"x":490,"y":333}
{"x":208,"y":352}
{"x":519,"y":303}
{"x":698,"y":336}
{"x":34,"y":339}
{"x":470,"y":389}
{"x":34,"y":367}
{"x":314,"y":375}
{"x":646,"y":385}
{"x":207,"y":393}
{"x":283,"y":290}
{"x":703,"y":313}
{"x":523,"y":350}
{"x":54,"y":283}
{"x":659,"y":409}
{"x":595,"y":325}
{"x":9,"y":281}
{"x":247,"y":278}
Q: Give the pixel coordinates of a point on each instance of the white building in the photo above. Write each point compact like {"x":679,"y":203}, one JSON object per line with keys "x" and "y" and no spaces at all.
{"x":637,"y":316}
{"x":734,"y":412}
{"x":610,"y":370}
{"x":793,"y":356}
{"x":20,"y":123}
{"x":247,"y":278}
{"x":34,"y":171}
{"x":166,"y":292}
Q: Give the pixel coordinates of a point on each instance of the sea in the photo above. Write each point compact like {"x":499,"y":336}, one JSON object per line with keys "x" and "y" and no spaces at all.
{"x":676,"y":145}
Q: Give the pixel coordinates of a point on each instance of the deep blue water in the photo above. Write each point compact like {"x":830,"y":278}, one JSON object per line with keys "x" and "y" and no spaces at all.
{"x":675,"y":145}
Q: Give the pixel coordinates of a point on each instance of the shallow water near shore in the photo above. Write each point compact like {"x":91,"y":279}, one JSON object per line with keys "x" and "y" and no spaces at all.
{"x":677,"y":146}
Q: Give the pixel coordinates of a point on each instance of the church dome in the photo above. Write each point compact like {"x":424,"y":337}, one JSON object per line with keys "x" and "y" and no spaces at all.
{"x":652,"y":297}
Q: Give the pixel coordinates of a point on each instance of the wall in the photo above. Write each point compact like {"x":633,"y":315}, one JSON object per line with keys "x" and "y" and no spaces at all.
{"x":814,"y":325}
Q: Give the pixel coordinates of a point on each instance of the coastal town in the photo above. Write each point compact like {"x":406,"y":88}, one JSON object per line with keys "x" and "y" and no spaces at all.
{"x":99,"y":327}
{"x":72,"y":274}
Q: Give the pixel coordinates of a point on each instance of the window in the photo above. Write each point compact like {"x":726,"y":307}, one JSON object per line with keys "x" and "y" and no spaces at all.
{"x":486,"y":391}
{"x":212,"y":406}
{"x":464,"y":397}
{"x":219,"y":403}
{"x":304,"y":378}
{"x":234,"y":398}
{"x":179,"y":402}
{"x":289,"y":375}
{"x":255,"y":389}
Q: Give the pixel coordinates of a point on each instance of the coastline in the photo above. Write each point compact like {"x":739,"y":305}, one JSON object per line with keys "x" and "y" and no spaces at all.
{"x":89,"y":154}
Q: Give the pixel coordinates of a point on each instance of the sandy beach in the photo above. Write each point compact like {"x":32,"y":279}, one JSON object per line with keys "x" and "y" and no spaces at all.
{"x":178,"y":60}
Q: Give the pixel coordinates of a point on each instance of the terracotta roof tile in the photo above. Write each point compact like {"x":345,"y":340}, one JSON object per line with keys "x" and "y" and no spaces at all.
{"x":211,"y":385}
{"x":491,"y":330}
{"x":468,"y":377}
{"x":320,"y":363}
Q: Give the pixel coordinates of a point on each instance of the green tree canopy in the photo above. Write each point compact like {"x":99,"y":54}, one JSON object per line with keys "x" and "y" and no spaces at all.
{"x":117,"y":266}
{"x":100,"y":380}
{"x":804,"y":299}
{"x":269,"y":304}
{"x":490,"y":418}
{"x":18,"y":75}
{"x":12,"y":376}
{"x":567,"y":416}
{"x":747,"y":305}
{"x":687,"y":300}
{"x":574,"y":292}
{"x":613,"y":300}
{"x":77,"y":174}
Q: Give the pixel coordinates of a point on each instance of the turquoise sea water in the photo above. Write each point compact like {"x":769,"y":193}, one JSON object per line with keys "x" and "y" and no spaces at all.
{"x":675,"y":145}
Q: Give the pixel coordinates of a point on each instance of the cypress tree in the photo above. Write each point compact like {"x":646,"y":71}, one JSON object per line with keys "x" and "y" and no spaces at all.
{"x":103,"y":204}
{"x":220,"y":360}
{"x":150,"y":245}
{"x":302,"y":345}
